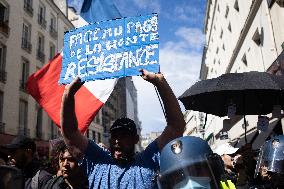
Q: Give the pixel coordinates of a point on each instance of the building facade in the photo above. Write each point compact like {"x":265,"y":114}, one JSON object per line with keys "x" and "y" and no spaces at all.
{"x":31,"y":33}
{"x":241,"y":36}
{"x":148,"y":138}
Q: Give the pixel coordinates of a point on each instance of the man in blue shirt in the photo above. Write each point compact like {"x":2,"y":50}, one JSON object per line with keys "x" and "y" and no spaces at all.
{"x":121,"y":168}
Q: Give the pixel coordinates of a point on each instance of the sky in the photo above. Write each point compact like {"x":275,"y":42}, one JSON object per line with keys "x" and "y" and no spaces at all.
{"x":181,"y":44}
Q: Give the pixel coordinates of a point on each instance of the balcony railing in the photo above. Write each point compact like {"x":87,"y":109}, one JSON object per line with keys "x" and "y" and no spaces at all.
{"x":28,"y":8}
{"x":40,"y":55}
{"x":2,"y":127}
{"x":41,"y":21}
{"x":53,"y":32}
{"x":4,"y":27}
{"x":3,"y":76}
{"x":26,"y":45}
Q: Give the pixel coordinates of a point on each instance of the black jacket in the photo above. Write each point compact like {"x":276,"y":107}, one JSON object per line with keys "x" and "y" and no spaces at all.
{"x":57,"y":183}
{"x":35,"y":176}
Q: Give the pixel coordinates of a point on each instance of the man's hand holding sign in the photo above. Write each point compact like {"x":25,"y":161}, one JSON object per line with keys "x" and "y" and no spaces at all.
{"x":111,"y":49}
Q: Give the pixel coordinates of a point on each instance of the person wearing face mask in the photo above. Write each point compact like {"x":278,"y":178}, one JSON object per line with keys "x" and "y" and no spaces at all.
{"x":188,"y":162}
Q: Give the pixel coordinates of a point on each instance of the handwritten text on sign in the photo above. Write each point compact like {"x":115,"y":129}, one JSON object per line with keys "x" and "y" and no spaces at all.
{"x":111,"y":49}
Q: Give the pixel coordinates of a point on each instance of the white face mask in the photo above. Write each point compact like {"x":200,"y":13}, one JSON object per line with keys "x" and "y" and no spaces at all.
{"x":194,"y":183}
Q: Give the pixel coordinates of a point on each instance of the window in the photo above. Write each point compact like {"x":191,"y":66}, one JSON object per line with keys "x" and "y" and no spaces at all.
{"x":26,"y":37}
{"x":25,"y":73}
{"x":39,"y":122}
{"x":223,"y":47}
{"x":51,"y":51}
{"x":2,"y":125}
{"x":217,"y":50}
{"x":3,"y":13}
{"x":23,"y":117}
{"x":258,"y":37}
{"x":94,"y":135}
{"x":4,"y":19}
{"x":41,"y":43}
{"x":41,"y":15}
{"x":1,"y":106}
{"x":229,"y":27}
{"x":40,"y":48}
{"x":236,"y":6}
{"x":99,"y":137}
{"x":3,"y":51}
{"x":227,"y":11}
{"x":52,"y":21}
{"x":52,"y":29}
{"x":244,"y":59}
{"x":221,"y":34}
{"x":28,"y":7}
{"x":218,"y":8}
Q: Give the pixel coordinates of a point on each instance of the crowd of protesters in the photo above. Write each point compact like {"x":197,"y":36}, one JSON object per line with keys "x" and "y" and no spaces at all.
{"x":170,"y":161}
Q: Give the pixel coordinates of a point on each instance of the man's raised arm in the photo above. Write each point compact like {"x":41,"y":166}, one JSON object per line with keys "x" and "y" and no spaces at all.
{"x":77,"y":143}
{"x":174,"y":117}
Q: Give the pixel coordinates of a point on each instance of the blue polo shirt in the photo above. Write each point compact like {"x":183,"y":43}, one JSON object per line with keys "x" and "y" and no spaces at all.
{"x":103,"y":172}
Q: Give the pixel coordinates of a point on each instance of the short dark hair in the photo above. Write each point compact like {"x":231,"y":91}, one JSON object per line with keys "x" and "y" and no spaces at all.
{"x":126,"y":124}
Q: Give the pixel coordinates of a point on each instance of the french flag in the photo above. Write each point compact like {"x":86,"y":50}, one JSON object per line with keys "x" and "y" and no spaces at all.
{"x":44,"y":88}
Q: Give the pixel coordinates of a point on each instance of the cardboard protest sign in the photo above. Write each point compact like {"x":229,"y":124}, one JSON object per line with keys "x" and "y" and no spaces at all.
{"x":111,"y":49}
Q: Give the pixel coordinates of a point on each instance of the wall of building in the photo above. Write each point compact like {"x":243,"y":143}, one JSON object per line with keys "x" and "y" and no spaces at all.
{"x":17,"y":15}
{"x":252,"y":43}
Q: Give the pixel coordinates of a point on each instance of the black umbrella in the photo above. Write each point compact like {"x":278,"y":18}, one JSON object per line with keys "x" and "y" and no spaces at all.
{"x":253,"y":93}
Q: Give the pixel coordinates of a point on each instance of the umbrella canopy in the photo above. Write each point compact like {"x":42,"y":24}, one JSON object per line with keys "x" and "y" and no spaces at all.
{"x":253,"y":93}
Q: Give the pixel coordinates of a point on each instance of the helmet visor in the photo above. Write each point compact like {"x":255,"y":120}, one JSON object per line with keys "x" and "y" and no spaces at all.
{"x":271,"y":158}
{"x":200,"y":174}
